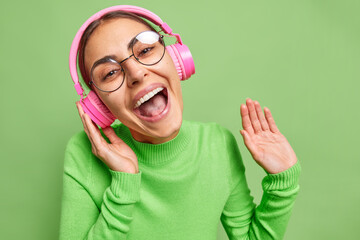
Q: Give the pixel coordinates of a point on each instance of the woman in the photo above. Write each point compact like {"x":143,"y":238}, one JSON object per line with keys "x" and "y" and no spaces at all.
{"x":157,"y":176}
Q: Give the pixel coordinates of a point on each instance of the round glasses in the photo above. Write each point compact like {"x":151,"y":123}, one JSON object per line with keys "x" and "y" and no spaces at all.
{"x":108,"y":75}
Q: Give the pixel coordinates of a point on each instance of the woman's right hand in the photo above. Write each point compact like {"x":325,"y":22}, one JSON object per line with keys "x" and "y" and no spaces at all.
{"x":117,"y":155}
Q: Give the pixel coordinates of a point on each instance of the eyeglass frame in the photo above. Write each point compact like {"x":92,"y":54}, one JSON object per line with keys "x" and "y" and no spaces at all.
{"x":109,"y":59}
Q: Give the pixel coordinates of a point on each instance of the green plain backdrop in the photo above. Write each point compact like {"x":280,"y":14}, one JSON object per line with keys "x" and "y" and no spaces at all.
{"x":301,"y":59}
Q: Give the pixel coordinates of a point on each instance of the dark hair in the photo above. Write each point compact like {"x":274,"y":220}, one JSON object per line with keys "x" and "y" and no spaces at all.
{"x":91,"y":28}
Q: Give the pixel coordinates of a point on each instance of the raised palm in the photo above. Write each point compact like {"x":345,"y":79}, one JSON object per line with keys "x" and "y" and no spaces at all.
{"x":269,"y":148}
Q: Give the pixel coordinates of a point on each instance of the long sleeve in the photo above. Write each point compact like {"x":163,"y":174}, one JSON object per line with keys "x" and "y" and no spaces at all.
{"x":241,"y":218}
{"x":81,"y":217}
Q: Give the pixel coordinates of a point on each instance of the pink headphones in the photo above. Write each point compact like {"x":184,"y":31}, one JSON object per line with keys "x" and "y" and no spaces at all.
{"x":92,"y":104}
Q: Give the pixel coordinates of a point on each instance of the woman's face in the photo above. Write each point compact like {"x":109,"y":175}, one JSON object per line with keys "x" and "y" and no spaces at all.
{"x":112,"y":38}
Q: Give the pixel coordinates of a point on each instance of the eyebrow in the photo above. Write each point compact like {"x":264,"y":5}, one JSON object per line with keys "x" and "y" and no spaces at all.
{"x":102,"y":60}
{"x":108,"y":58}
{"x":132,"y":42}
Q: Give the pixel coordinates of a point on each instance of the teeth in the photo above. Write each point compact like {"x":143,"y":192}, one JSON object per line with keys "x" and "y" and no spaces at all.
{"x":148,"y":96}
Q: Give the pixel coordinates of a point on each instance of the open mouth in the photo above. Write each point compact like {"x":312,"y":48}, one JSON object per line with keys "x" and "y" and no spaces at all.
{"x":153,"y":105}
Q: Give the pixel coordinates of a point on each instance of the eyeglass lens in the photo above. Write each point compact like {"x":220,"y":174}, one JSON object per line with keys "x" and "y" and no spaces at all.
{"x":148,"y":49}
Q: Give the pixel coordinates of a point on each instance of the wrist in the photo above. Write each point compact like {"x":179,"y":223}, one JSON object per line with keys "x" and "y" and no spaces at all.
{"x":284,"y":180}
{"x":126,"y":170}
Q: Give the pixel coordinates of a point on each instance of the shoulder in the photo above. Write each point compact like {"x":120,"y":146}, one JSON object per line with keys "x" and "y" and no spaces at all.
{"x":216,"y":136}
{"x":79,"y":161}
{"x":217,"y":141}
{"x":84,"y":168}
{"x":78,"y":149}
{"x":211,"y":132}
{"x":78,"y":141}
{"x":206,"y":127}
{"x":209,"y":128}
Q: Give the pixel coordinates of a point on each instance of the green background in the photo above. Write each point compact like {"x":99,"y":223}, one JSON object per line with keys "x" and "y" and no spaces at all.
{"x":301,"y":59}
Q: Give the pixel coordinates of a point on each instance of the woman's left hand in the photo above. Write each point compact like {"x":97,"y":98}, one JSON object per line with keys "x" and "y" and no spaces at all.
{"x":269,"y":148}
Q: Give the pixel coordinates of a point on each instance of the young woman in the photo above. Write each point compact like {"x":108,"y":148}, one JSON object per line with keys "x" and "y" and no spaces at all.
{"x":155,"y":175}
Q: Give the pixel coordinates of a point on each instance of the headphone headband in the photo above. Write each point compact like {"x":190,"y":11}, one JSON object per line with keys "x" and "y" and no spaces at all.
{"x":142,"y":12}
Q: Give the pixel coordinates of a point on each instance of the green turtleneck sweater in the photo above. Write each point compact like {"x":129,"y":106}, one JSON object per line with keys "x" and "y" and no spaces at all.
{"x":183,"y":189}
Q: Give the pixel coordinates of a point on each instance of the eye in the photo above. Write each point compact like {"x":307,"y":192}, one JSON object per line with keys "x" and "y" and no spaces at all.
{"x":145,"y":51}
{"x":111,"y":74}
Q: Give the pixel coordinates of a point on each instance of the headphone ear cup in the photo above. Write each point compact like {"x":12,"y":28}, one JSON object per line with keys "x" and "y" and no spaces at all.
{"x":97,"y":110}
{"x":182,"y":59}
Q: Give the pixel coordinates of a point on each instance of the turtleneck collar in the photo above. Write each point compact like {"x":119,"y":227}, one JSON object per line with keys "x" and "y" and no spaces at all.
{"x":155,"y":154}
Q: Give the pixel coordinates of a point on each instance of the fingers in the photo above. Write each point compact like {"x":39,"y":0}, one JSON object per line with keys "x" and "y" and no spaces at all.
{"x":111,"y":135}
{"x":81,"y":114}
{"x":253,"y":118}
{"x":270,"y":120}
{"x":253,"y":115}
{"x":246,"y":123}
{"x":90,"y":128}
{"x":94,"y":131}
{"x":260,"y":114}
{"x":248,"y":142}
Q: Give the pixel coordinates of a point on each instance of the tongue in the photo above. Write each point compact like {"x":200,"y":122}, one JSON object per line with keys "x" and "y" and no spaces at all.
{"x":154,"y":106}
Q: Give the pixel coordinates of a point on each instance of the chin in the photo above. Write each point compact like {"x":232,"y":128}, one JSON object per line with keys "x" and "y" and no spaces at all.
{"x":170,"y":128}
{"x":167,"y":130}
{"x":159,"y":132}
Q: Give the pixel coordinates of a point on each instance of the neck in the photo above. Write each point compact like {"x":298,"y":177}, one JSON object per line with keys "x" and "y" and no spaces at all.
{"x":152,"y":140}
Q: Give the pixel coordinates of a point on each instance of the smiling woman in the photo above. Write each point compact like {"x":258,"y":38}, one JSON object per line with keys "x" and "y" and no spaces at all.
{"x":155,"y":175}
{"x":142,"y":74}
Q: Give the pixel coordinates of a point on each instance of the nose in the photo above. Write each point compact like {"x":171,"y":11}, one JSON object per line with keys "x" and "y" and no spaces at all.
{"x":135,"y":72}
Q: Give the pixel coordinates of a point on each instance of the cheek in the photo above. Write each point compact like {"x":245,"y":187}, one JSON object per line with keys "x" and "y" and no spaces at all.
{"x":178,"y":92}
{"x":168,"y":64}
{"x":114,"y":101}
{"x":174,"y":80}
